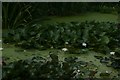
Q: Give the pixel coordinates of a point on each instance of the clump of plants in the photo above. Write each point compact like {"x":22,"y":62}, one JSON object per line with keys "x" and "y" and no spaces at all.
{"x":99,"y":36}
{"x":52,"y":68}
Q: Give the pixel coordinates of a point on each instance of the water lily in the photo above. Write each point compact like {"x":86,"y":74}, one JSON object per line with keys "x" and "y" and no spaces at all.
{"x":24,"y":50}
{"x":84,"y":44}
{"x":51,"y":47}
{"x":66,"y":43}
{"x":64,"y":49}
{"x":113,"y":7}
{"x":112,"y":53}
{"x":78,"y":71}
{"x":78,"y":24}
{"x":106,"y":71}
{"x":1,"y":49}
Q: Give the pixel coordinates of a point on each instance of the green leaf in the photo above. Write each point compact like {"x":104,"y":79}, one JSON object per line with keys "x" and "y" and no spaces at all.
{"x":104,"y":40}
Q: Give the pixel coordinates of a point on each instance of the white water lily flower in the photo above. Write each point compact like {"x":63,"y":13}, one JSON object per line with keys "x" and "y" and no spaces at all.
{"x":24,"y":50}
{"x":1,"y":49}
{"x":64,"y":49}
{"x":78,"y":70}
{"x":66,"y":43}
{"x":51,"y":47}
{"x":0,"y":40}
{"x":112,"y":53}
{"x":84,"y":44}
{"x":106,"y":71}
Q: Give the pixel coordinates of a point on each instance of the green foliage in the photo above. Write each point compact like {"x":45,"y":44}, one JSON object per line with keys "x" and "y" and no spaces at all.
{"x":107,"y":9}
{"x":72,"y":8}
{"x":16,"y":15}
{"x":21,"y":14}
{"x":115,"y":64}
{"x":102,"y":37}
{"x":38,"y":68}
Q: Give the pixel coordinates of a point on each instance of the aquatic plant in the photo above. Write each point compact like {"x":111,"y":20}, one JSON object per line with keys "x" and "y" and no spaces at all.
{"x":16,"y":15}
{"x":51,"y":68}
{"x":99,"y":36}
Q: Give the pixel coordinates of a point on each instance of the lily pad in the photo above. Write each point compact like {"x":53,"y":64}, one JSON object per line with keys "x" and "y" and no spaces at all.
{"x":104,"y":74}
{"x":105,"y":60}
{"x":98,"y":57}
{"x":116,"y":64}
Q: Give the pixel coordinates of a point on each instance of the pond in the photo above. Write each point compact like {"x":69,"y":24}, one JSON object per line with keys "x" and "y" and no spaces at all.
{"x":12,"y":53}
{"x":15,"y":53}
